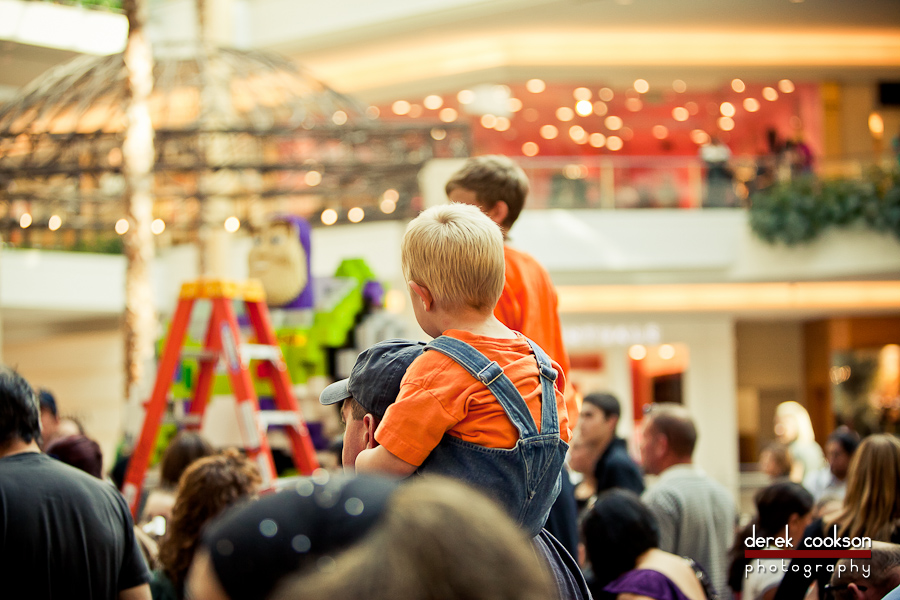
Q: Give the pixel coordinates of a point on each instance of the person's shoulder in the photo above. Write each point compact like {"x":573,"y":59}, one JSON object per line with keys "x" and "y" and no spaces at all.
{"x":522,"y":261}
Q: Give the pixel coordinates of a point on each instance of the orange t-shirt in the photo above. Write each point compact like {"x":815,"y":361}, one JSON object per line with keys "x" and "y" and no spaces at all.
{"x":529,"y":305}
{"x":439,"y":396}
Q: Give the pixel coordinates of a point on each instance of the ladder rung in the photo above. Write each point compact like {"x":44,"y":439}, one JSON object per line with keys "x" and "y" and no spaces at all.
{"x":260,"y":352}
{"x":278,"y":417}
{"x":200,"y":354}
{"x":190,"y":419}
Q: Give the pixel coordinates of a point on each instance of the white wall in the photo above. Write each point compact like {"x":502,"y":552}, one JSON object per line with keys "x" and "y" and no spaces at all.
{"x":709,"y":383}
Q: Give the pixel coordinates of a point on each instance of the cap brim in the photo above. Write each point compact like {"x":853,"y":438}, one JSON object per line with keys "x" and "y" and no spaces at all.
{"x":334,"y":393}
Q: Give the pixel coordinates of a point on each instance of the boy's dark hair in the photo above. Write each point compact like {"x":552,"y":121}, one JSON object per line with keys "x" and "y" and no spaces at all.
{"x":616,"y":531}
{"x":493,"y":178}
{"x":608,"y":403}
{"x":847,"y":438}
{"x":20,"y":416}
{"x":48,"y":402}
{"x":776,"y":503}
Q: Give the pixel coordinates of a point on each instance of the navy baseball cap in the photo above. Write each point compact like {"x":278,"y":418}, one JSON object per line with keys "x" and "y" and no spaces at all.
{"x":375,"y":379}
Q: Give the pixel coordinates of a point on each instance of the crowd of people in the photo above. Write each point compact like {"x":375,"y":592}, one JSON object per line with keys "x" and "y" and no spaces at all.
{"x":482,"y":416}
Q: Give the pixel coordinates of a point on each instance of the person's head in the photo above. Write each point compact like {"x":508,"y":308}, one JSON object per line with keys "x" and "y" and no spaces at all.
{"x":616,"y":530}
{"x":453,"y":261}
{"x":49,"y":414}
{"x":598,"y":418}
{"x":872,"y":504}
{"x":79,"y":451}
{"x":839,"y":449}
{"x":373,"y":385}
{"x":207,"y":487}
{"x":20,"y":417}
{"x":783,"y":504}
{"x":668,"y":437}
{"x":279,"y":259}
{"x":792,"y":423}
{"x":249,"y":549}
{"x":438,"y":538}
{"x":776,"y":461}
{"x":183,"y":449}
{"x":495,"y":184}
{"x":871,"y":579}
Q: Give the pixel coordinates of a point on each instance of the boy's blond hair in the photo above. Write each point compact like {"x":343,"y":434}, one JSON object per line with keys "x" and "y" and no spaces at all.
{"x":455,"y":251}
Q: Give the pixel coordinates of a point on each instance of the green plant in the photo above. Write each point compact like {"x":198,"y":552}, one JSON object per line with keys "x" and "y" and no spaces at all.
{"x":799,"y":211}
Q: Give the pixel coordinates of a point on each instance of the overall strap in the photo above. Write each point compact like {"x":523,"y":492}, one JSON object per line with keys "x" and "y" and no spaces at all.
{"x":549,"y":416}
{"x":491,"y":375}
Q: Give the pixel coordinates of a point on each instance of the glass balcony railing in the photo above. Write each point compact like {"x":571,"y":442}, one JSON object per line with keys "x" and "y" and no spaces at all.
{"x":628,"y":182}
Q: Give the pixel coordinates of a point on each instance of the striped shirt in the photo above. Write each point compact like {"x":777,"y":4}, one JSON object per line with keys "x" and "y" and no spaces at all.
{"x":696,"y":517}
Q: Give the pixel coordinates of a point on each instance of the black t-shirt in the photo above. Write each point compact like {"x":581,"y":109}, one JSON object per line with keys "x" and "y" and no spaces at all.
{"x":616,"y":469}
{"x":63,"y":533}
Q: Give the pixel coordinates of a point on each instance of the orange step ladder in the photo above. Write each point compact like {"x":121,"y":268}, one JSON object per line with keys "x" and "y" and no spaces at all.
{"x":222,"y":344}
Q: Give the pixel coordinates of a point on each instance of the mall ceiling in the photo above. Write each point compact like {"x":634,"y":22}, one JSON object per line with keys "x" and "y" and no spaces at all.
{"x":433,"y":51}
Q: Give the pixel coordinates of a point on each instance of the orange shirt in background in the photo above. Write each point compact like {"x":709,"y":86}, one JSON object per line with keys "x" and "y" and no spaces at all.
{"x":439,"y":396}
{"x":529,"y":304}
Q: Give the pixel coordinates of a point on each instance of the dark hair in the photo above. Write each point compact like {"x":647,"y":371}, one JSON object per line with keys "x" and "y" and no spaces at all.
{"x":776,"y":503}
{"x":184,"y":449}
{"x":608,"y":403}
{"x":78,"y":451}
{"x":675,"y":423}
{"x":616,"y":531}
{"x":494,"y":179}
{"x":208,"y":486}
{"x":48,"y":402}
{"x":20,"y":417}
{"x":849,"y":440}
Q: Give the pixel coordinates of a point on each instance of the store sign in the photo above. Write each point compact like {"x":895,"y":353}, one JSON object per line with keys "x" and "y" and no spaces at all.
{"x":603,"y":335}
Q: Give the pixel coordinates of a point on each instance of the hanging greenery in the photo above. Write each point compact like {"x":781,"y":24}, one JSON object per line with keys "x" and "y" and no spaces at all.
{"x":799,"y":210}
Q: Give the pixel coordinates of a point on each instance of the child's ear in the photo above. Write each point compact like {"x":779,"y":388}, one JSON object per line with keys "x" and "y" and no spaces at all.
{"x":498,"y":212}
{"x":423,"y":293}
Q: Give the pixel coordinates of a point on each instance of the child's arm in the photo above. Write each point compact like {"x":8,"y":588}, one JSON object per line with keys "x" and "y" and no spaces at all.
{"x":380,"y":460}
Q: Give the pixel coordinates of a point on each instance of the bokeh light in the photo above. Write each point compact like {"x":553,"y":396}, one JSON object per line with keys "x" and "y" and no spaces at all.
{"x":535,"y":86}
{"x":329,"y":216}
{"x":400,"y":107}
{"x":433,"y":102}
{"x":530,"y":149}
{"x":356,"y":214}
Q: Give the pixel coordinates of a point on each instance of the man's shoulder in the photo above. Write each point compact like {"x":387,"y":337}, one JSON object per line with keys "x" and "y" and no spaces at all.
{"x":49,"y":473}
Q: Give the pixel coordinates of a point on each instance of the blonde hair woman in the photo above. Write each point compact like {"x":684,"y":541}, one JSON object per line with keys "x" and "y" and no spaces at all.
{"x":794,"y":428}
{"x":871,"y":509}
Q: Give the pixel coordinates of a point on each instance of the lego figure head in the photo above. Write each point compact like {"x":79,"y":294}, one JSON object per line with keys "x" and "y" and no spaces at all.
{"x":280,"y":260}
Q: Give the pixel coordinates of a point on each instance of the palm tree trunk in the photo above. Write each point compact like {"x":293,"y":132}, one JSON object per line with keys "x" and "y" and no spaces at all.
{"x":138,"y":154}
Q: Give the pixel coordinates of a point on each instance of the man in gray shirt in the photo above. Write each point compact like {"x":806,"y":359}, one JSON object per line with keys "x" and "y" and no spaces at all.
{"x":696,"y":515}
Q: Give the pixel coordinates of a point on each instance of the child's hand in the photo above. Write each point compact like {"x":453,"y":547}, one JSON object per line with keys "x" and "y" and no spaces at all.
{"x":380,"y":460}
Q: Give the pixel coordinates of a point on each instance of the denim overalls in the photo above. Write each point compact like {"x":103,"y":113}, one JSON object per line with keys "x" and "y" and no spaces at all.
{"x":524,"y":479}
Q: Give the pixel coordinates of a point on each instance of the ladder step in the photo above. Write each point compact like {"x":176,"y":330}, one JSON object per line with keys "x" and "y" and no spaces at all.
{"x":278,"y":417}
{"x":200,"y":354}
{"x":248,"y":352}
{"x":260,"y":352}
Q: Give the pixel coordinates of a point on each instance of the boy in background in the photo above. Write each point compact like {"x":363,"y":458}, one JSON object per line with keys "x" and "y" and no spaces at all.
{"x":528,"y":304}
{"x":485,"y":404}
